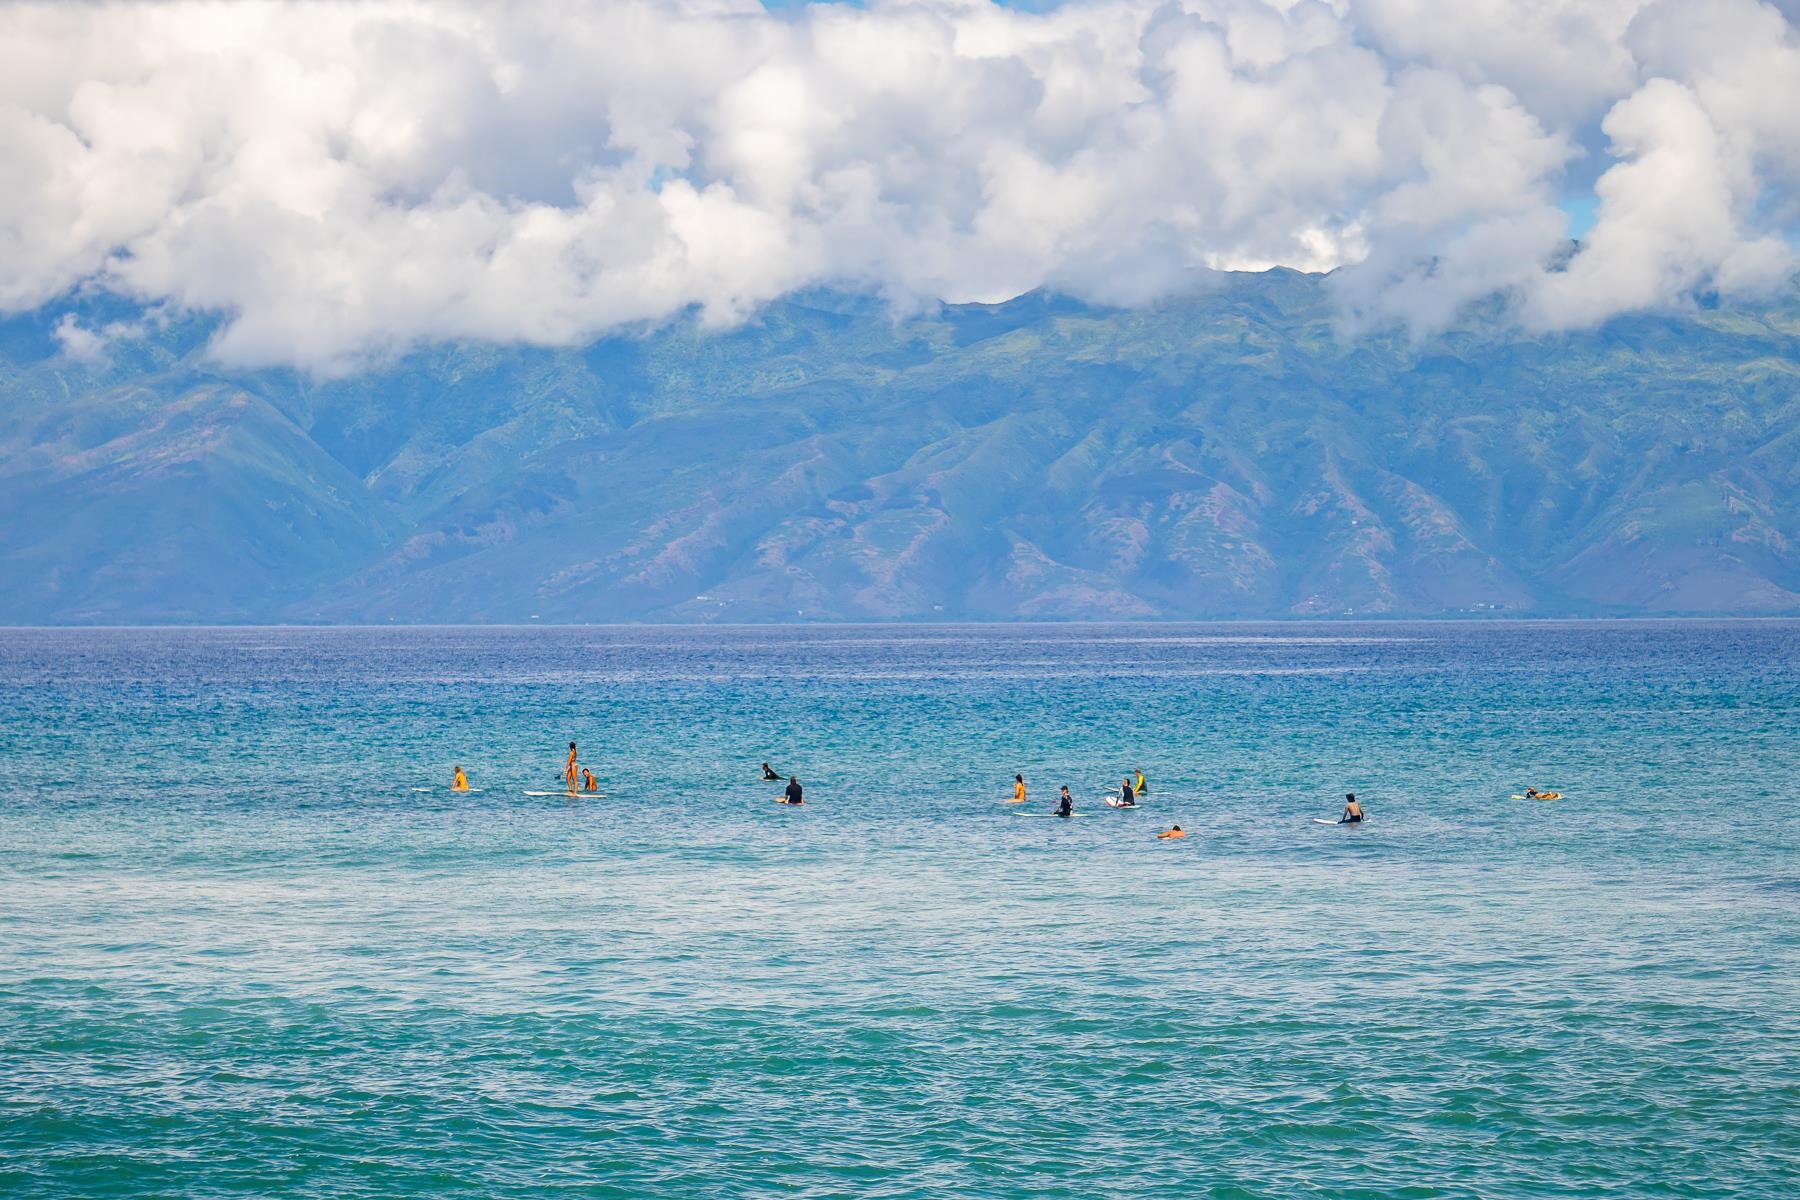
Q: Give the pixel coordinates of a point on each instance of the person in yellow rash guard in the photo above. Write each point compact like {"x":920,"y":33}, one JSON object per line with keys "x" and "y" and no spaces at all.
{"x":569,"y":770}
{"x":1141,"y":787}
{"x":1018,"y":789}
{"x":588,"y":782}
{"x":1176,"y":832}
{"x":460,"y":783}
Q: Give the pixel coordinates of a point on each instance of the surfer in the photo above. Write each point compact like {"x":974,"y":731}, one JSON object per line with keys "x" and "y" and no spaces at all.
{"x":1140,"y":786}
{"x":569,"y":769}
{"x":1018,"y":789}
{"x":588,"y":782}
{"x":1127,"y":795}
{"x":793,"y":795}
{"x":1175,"y":832}
{"x":770,"y":774}
{"x":1353,"y":812}
{"x":1065,"y":805}
{"x":460,"y":783}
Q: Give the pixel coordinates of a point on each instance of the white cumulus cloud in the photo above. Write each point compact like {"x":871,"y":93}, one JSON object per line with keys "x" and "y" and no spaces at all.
{"x":344,"y":180}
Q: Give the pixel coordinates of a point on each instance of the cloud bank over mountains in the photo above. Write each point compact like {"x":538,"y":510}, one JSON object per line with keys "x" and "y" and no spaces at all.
{"x":349,"y":180}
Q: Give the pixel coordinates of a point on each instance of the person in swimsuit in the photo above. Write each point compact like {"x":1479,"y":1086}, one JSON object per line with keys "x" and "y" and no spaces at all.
{"x":588,"y":782}
{"x":1172,"y":833}
{"x":1065,"y":806}
{"x":460,"y":783}
{"x":1127,"y":797}
{"x":1018,"y":789}
{"x":793,"y":794}
{"x":770,"y":775}
{"x":1353,"y":812}
{"x":569,"y":769}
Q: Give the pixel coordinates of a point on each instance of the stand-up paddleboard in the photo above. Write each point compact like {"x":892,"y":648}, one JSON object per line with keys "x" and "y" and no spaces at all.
{"x":1112,"y":802}
{"x":1009,"y":800}
{"x":570,"y":795}
{"x":790,"y":803}
{"x":452,"y":791}
{"x":1059,"y":816}
{"x":1323,"y":821}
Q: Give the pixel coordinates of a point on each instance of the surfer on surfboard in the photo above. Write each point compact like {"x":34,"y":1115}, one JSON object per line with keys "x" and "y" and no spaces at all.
{"x":459,"y":782}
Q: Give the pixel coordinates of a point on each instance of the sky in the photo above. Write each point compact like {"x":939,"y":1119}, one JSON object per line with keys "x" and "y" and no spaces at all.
{"x":344,"y":181}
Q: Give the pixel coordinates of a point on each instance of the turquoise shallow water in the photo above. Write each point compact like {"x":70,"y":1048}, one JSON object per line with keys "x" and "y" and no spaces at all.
{"x":241,"y":955}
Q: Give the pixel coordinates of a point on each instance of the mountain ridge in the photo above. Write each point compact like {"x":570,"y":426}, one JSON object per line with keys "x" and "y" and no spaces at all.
{"x":1219,"y":455}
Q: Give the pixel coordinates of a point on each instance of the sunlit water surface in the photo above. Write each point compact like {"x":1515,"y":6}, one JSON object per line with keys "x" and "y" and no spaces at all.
{"x":250,"y":944}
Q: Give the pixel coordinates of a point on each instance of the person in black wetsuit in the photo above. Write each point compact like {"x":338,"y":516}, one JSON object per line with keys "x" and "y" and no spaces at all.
{"x":1066,"y":806}
{"x":793,"y":794}
{"x":1127,"y":797}
{"x":770,"y":775}
{"x":1353,"y":813}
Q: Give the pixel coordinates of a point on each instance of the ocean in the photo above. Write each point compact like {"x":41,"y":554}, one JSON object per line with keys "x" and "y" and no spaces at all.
{"x":251,"y":944}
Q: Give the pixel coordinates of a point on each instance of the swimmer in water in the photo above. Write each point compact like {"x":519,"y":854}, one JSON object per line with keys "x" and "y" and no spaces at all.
{"x":1018,"y":789}
{"x":588,"y":782}
{"x":793,"y":795}
{"x":1175,"y":832}
{"x":569,"y":769}
{"x":460,"y":783}
{"x":1065,"y":805}
{"x":1127,"y":796}
{"x":770,"y":775}
{"x":1140,"y":786}
{"x":1353,"y":812}
{"x":1532,"y":793}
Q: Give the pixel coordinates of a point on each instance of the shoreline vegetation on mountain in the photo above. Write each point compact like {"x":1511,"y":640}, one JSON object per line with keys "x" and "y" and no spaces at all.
{"x":1225,"y":455}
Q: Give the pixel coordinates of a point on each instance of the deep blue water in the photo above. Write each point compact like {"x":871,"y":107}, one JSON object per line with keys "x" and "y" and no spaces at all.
{"x":242,"y":953}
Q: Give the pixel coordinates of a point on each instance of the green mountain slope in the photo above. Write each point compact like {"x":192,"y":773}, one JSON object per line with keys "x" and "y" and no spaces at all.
{"x":1220,"y":455}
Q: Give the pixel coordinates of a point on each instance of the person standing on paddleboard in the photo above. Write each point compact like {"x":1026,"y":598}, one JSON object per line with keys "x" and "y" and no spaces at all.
{"x":569,"y":770}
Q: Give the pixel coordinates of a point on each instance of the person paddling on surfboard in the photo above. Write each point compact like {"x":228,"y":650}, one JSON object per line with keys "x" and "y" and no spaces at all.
{"x":793,"y":794}
{"x":1353,"y":812}
{"x":460,"y":782}
{"x":569,"y":769}
{"x":1018,"y":789}
{"x":588,"y":782}
{"x":770,"y":775}
{"x":1065,"y":805}
{"x":1174,"y":832}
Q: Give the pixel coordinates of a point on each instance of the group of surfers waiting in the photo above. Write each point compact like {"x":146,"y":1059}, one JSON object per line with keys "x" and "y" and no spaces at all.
{"x":1133,"y":787}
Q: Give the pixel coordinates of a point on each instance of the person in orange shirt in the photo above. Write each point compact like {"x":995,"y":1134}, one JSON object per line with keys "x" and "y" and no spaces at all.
{"x":1176,"y":832}
{"x":1018,"y":789}
{"x":460,"y":783}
